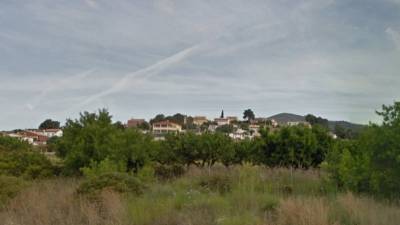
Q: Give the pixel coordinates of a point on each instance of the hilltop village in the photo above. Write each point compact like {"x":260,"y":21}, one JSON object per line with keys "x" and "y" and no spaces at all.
{"x":247,"y":127}
{"x":234,"y":127}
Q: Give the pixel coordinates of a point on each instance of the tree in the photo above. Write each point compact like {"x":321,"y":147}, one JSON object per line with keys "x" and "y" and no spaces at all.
{"x":390,"y":114}
{"x":157,"y":118}
{"x":132,"y":149}
{"x":49,"y":124}
{"x":93,"y":138}
{"x":313,"y":120}
{"x":89,"y":138}
{"x":18,"y":158}
{"x":228,"y":128}
{"x":119,"y":125}
{"x":177,"y":118}
{"x":249,"y":115}
{"x":297,"y":147}
{"x":222,"y":114}
{"x":340,"y":131}
{"x":144,"y":126}
{"x":371,"y":162}
{"x":214,"y":147}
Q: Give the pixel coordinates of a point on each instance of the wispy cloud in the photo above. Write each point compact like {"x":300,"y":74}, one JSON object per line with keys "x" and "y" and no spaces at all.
{"x":301,"y":56}
{"x":59,"y":85}
{"x":143,"y":73}
{"x":395,"y":36}
{"x":91,"y":3}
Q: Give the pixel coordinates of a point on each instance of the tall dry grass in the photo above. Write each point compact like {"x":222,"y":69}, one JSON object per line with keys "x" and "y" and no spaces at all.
{"x":55,"y":203}
{"x":303,"y":211}
{"x":251,"y":196}
{"x":367,"y":211}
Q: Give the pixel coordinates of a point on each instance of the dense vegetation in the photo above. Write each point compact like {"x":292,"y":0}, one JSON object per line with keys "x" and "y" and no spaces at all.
{"x":370,"y":163}
{"x":111,"y":157}
{"x":19,"y":159}
{"x":240,"y":195}
{"x":94,"y":138}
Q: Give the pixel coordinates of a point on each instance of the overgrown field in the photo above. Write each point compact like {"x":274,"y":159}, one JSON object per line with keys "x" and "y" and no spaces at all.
{"x":240,"y":195}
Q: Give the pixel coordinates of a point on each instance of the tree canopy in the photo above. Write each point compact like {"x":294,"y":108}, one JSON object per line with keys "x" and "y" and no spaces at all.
{"x":49,"y":124}
{"x":313,"y":120}
{"x":371,"y":162}
{"x":93,"y":137}
{"x":249,"y":115}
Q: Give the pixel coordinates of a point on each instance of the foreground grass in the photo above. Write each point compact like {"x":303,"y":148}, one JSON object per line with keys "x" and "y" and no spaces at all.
{"x":236,"y":196}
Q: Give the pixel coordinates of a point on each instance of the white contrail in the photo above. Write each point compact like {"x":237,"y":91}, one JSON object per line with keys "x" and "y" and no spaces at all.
{"x":144,"y":72}
{"x":56,"y":86}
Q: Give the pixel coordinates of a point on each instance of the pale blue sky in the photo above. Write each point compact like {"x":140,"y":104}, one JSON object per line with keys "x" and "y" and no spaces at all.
{"x":339,"y":59}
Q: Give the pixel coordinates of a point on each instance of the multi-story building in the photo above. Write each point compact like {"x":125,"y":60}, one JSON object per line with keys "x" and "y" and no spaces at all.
{"x":51,"y":132}
{"x":165,"y":127}
{"x":134,"y":122}
{"x":199,"y":120}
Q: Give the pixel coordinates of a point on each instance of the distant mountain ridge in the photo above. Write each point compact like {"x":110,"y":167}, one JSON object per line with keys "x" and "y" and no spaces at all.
{"x":283,"y":118}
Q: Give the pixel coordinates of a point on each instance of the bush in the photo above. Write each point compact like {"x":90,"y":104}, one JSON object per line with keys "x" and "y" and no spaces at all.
{"x":10,"y":187}
{"x":166,"y":172}
{"x":370,"y":164}
{"x":216,"y":182}
{"x":118,"y":182}
{"x":146,"y":174}
{"x":20,"y":159}
{"x":269,"y":203}
{"x":104,"y":167}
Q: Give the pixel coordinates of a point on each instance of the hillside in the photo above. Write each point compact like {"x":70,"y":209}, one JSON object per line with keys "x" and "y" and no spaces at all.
{"x":283,"y":118}
{"x":346,"y":125}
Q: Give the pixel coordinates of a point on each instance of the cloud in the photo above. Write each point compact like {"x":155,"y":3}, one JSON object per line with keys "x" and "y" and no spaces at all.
{"x":58,"y":85}
{"x":91,"y":3}
{"x":166,"y":6}
{"x":395,"y":36}
{"x":316,"y":56}
{"x":142,"y":73}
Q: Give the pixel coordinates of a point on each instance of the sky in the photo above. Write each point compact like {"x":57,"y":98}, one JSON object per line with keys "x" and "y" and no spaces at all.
{"x":339,"y":59}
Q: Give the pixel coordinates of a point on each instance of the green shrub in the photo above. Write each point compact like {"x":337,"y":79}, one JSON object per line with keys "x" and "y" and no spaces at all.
{"x":166,"y":172}
{"x":371,"y":162}
{"x":146,"y":174}
{"x":104,"y":167}
{"x":24,"y":162}
{"x":18,"y":158}
{"x":269,"y":202}
{"x":118,"y":182}
{"x":9,"y":187}
{"x":216,"y":182}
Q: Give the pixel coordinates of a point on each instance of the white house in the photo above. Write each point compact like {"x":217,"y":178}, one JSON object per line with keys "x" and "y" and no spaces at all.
{"x":239,"y":134}
{"x":222,"y":121}
{"x":297,"y":123}
{"x":52,"y":133}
